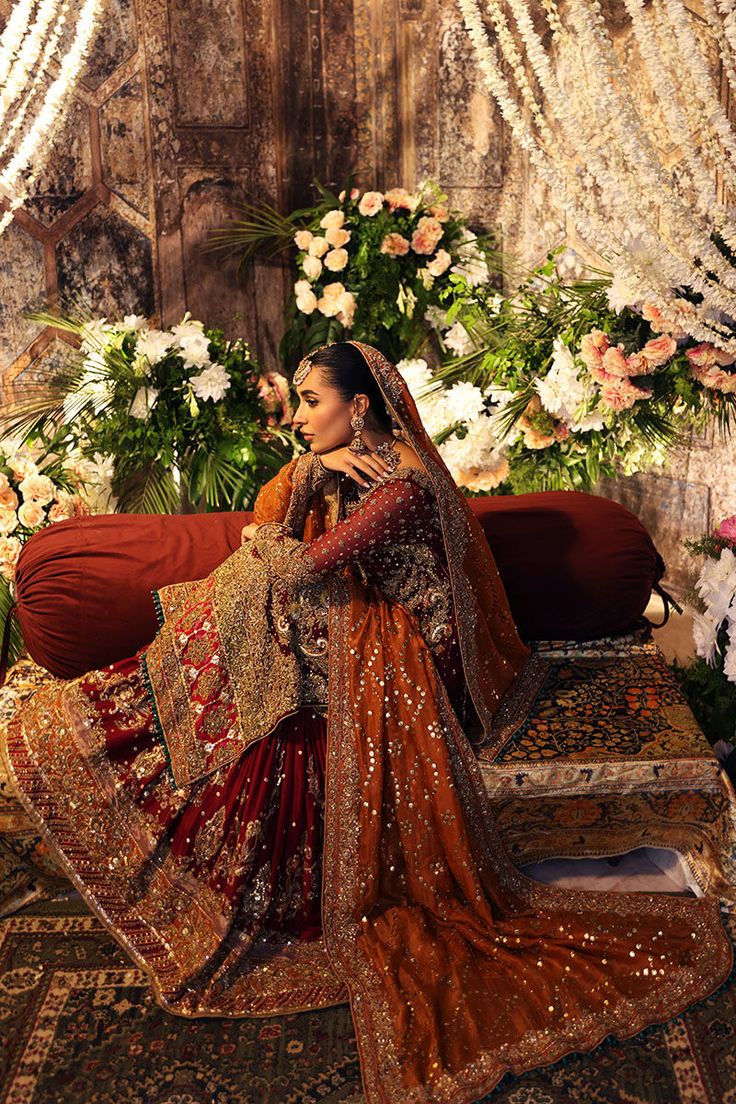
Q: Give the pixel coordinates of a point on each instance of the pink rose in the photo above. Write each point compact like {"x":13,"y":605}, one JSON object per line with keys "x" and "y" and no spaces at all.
{"x":726,"y":529}
{"x":354,"y":193}
{"x":399,"y":198}
{"x":371,"y":204}
{"x":592,"y":347}
{"x":62,"y":509}
{"x":706,"y":355}
{"x":659,"y":350}
{"x":428,"y":232}
{"x":715,"y":379}
{"x":81,"y":508}
{"x":395,"y":245}
{"x":620,"y":394}
{"x":439,"y":212}
{"x":614,"y":362}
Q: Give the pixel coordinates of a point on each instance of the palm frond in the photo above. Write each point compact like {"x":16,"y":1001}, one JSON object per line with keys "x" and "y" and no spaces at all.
{"x":16,"y":647}
{"x":151,"y":490}
{"x":259,"y":227}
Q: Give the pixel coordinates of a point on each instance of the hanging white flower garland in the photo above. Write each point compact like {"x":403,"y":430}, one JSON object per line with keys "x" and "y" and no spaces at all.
{"x":28,"y":45}
{"x":658,"y":226}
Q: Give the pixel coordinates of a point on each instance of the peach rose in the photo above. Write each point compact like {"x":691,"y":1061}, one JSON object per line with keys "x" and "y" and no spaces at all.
{"x":31,"y":514}
{"x":329,"y":304}
{"x":659,"y":350}
{"x":337,"y":237}
{"x":714,"y":378}
{"x":621,"y":395}
{"x":659,"y":324}
{"x":440,"y":212}
{"x":9,"y":550}
{"x":306,"y":301}
{"x":484,"y":479}
{"x":592,"y":347}
{"x":318,"y":246}
{"x":400,"y":199}
{"x":4,"y":482}
{"x":8,"y":521}
{"x":7,"y":571}
{"x":81,"y":508}
{"x":371,"y":204}
{"x":706,"y":355}
{"x":63,"y":508}
{"x":614,"y":362}
{"x":395,"y":245}
{"x":428,"y":232}
{"x":312,"y":266}
{"x":439,"y":263}
{"x":8,"y":499}
{"x":336,"y":260}
{"x":303,"y":239}
{"x":37,"y":488}
{"x":346,"y":311}
{"x":333,"y":220}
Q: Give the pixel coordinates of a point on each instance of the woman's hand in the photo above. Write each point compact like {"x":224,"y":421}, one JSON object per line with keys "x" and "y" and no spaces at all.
{"x":362,"y":467}
{"x":248,"y":532}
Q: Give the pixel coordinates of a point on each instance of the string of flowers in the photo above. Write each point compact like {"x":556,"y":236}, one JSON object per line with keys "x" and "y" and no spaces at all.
{"x":20,"y":171}
{"x":626,"y":176}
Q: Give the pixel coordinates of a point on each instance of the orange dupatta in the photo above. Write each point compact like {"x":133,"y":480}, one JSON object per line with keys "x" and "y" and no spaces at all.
{"x":458,"y":967}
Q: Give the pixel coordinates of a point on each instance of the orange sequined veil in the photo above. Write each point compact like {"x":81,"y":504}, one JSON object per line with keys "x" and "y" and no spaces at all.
{"x":457,"y":967}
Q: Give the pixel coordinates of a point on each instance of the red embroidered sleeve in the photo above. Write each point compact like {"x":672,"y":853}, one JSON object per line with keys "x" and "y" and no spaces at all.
{"x":390,"y":514}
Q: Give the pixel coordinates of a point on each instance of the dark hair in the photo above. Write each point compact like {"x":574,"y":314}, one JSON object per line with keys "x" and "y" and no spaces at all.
{"x":343,"y":367}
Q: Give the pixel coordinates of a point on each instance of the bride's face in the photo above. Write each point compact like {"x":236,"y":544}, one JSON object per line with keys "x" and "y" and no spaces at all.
{"x":323,"y":417}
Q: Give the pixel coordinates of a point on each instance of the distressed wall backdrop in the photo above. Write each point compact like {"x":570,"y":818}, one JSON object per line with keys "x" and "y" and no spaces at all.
{"x":188,"y":106}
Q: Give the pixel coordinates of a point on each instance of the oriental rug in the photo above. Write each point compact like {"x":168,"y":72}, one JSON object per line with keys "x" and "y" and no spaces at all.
{"x":79,"y":1025}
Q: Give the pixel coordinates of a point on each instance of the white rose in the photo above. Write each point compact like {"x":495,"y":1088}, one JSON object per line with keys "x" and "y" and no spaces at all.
{"x":31,"y":515}
{"x":333,"y":220}
{"x":346,"y":309}
{"x":306,"y":302}
{"x":37,"y":488}
{"x":336,"y":260}
{"x":143,"y":403}
{"x":21,"y":466}
{"x":318,"y":247}
{"x":312,"y":266}
{"x":439,"y":263}
{"x":212,"y":383}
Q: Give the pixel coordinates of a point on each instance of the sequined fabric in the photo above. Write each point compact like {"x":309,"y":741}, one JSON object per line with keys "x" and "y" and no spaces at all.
{"x":456,"y":966}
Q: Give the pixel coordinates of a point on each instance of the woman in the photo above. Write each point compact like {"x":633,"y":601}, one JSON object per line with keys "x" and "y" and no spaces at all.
{"x":275,"y":806}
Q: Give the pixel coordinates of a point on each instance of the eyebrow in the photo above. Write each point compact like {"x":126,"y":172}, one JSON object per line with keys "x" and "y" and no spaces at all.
{"x":308,"y":392}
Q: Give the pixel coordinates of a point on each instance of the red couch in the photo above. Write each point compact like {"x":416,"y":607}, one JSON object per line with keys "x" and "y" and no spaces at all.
{"x":575,"y":566}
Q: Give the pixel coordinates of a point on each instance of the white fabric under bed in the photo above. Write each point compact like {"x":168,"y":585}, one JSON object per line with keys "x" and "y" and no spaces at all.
{"x":647,"y":869}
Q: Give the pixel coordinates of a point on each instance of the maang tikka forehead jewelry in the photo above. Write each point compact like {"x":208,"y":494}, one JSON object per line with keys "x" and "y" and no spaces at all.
{"x":305,"y":364}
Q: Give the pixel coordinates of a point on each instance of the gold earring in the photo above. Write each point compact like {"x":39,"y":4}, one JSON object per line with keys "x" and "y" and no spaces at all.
{"x":357,"y":444}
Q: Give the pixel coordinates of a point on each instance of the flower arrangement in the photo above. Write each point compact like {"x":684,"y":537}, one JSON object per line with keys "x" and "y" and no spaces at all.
{"x":562,"y":382}
{"x":39,"y":487}
{"x":710,"y":682}
{"x":187,"y":416}
{"x":370,"y":264}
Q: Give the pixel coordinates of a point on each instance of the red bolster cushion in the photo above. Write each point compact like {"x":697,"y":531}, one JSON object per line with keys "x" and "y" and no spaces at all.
{"x":575,"y":566}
